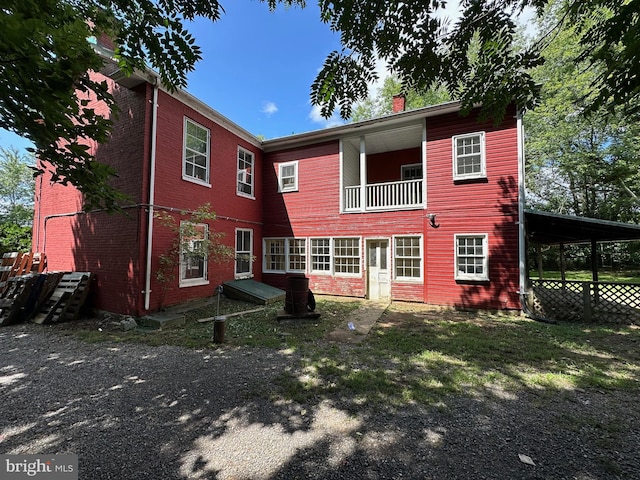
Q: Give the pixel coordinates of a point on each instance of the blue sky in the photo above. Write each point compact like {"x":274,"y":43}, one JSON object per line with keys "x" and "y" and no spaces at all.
{"x":258,"y":67}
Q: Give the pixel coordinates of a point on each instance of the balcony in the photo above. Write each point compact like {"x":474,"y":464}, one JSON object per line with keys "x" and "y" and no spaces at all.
{"x":401,"y":195}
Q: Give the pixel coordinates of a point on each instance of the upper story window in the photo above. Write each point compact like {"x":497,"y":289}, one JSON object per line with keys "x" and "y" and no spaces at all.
{"x":195,"y":165}
{"x":245,"y":173}
{"x":469,"y":156}
{"x":412,"y":172}
{"x":288,"y":177}
{"x":472,"y":257}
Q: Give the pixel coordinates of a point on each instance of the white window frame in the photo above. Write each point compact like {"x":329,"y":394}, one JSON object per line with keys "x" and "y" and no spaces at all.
{"x":405,"y":168}
{"x":335,"y":257}
{"x":419,"y":258}
{"x":266,"y":253}
{"x":293,"y":187}
{"x":249,"y":253}
{"x":184,"y":262}
{"x":314,"y":271}
{"x":456,"y":158}
{"x":186,"y":149}
{"x":296,"y":248}
{"x":484,"y":276}
{"x":242,"y":173}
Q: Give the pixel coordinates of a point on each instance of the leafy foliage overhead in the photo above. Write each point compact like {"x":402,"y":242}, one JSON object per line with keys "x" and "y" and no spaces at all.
{"x":44,"y":59}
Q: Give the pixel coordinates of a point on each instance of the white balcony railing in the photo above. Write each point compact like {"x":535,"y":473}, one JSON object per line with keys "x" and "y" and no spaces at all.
{"x":385,"y":196}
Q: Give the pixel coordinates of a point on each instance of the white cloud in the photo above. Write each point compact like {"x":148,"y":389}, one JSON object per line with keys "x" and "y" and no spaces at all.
{"x":317,"y":117}
{"x":269,"y":108}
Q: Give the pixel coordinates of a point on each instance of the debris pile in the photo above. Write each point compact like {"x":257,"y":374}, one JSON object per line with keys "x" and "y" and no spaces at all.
{"x":28,"y":294}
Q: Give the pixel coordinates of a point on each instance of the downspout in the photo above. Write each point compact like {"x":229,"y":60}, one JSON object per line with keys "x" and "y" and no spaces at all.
{"x":522,"y":250}
{"x":152,"y":187}
{"x":521,"y":226}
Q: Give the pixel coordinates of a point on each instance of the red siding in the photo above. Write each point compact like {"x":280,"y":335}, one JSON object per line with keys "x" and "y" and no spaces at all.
{"x":484,"y":206}
{"x":107,"y":245}
{"x":473,"y":207}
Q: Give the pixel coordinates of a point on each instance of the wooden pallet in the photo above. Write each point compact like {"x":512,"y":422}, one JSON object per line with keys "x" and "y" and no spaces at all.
{"x":66,"y":301}
{"x":15,"y":298}
{"x":15,"y":264}
{"x":8,"y":266}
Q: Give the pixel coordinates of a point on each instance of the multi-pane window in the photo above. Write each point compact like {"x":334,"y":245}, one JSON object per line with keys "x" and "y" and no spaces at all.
{"x":472,"y":257}
{"x":297,"y":255}
{"x":288,"y":177}
{"x":412,"y":172}
{"x":193,"y":255}
{"x":196,"y":152}
{"x":245,"y":172}
{"x":244,"y":252}
{"x":468,"y":156}
{"x":274,"y":254}
{"x":408,"y":257}
{"x":321,"y":255}
{"x":346,"y":255}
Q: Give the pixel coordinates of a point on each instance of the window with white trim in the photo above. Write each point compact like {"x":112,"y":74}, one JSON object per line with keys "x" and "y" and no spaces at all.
{"x":411,"y":172}
{"x":288,"y":177}
{"x":407,"y":258}
{"x":472,"y":257}
{"x":195,"y":165}
{"x":193,"y":255}
{"x":244,"y":252}
{"x":297,"y":255}
{"x":469,"y":156}
{"x":245,"y":173}
{"x":346,"y":256}
{"x":274,"y":255}
{"x":320,"y":255}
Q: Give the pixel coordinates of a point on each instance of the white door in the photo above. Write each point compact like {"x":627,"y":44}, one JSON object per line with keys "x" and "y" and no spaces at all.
{"x":379,"y":286}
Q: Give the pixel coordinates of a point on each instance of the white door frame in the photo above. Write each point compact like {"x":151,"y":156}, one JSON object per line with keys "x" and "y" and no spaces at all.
{"x":378,"y":279}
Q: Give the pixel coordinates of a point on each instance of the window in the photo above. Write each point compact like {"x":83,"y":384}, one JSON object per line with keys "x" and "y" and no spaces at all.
{"x":274,"y":255}
{"x":346,"y":256}
{"x":472,"y":259}
{"x":321,"y":255}
{"x":297,"y":258}
{"x":468,"y":156}
{"x":408,"y":258}
{"x":195,"y":165}
{"x":244,"y":253}
{"x":412,"y":172}
{"x":245,"y":173}
{"x":193,"y":255}
{"x":288,"y":177}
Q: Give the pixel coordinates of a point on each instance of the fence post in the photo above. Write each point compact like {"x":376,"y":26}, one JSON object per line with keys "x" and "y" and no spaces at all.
{"x":586,"y":302}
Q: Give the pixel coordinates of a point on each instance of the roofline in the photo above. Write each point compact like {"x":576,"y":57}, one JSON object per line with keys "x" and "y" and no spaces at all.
{"x":289,"y":141}
{"x":152,"y":77}
{"x":576,"y":218}
{"x":337,"y":132}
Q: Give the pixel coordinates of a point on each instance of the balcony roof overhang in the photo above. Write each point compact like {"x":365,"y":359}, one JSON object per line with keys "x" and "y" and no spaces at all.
{"x":554,"y":229}
{"x":395,"y":120}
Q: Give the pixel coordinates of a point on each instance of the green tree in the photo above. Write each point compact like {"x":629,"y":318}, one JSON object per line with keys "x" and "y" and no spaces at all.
{"x":382,"y":103}
{"x":579,"y":164}
{"x":16,"y":187}
{"x":44,"y":59}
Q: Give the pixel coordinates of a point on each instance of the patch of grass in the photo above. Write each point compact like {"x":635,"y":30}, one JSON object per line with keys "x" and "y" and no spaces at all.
{"x":417,"y":355}
{"x":627,"y":276}
{"x":257,"y":329}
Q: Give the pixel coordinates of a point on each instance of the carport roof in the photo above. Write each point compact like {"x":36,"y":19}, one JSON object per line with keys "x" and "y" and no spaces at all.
{"x":553,"y":229}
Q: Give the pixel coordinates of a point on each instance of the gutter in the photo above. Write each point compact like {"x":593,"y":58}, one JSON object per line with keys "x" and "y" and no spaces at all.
{"x":152,"y":187}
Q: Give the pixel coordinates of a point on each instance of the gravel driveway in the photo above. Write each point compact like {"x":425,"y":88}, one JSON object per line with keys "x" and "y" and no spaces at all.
{"x":137,"y":412}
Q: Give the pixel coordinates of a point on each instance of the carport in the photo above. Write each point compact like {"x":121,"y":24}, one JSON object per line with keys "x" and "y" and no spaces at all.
{"x":575,"y":300}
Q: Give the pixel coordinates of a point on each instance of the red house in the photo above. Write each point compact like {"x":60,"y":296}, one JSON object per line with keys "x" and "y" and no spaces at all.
{"x":424,"y":205}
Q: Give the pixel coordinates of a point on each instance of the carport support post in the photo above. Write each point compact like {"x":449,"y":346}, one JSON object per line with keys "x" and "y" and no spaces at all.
{"x":587,"y":313}
{"x":594,"y":271}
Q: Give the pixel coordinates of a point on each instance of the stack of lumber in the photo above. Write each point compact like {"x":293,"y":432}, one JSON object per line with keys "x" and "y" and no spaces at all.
{"x":44,"y":298}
